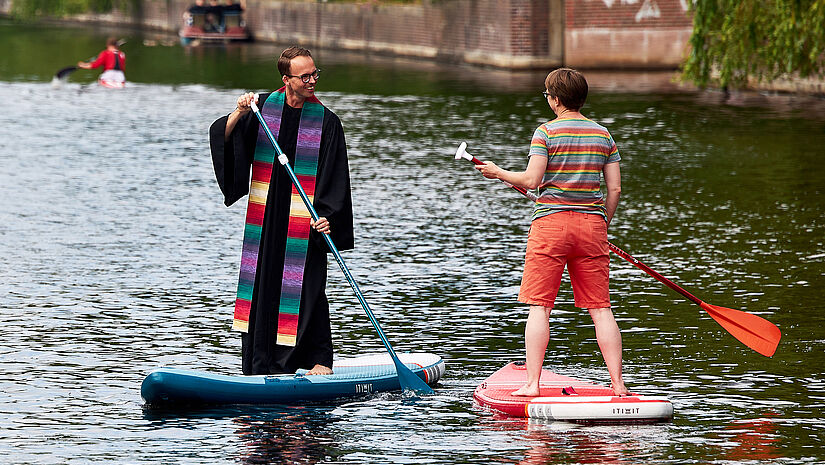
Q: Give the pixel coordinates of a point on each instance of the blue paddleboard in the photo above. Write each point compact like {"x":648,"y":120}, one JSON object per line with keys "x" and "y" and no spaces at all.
{"x":351,"y":377}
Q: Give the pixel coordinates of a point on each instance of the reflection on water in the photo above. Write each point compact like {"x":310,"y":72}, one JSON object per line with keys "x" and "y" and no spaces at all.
{"x":119,"y":257}
{"x":268,"y":434}
{"x":755,"y":439}
{"x":286,"y":438}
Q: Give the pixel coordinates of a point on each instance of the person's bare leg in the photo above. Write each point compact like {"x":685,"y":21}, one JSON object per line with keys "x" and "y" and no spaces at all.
{"x":610,"y":343}
{"x":536,"y":337}
{"x":320,"y":370}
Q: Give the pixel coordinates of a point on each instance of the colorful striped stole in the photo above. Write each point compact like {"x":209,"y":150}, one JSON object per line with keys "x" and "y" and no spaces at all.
{"x":298,"y":229}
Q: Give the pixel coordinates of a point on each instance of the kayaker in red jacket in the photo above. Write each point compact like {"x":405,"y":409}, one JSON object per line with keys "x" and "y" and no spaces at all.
{"x":113,"y":62}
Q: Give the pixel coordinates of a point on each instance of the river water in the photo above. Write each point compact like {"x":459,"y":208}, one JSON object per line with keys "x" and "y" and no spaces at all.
{"x":118,"y":257}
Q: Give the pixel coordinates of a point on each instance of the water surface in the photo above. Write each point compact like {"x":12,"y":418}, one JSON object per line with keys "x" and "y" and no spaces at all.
{"x":118,"y":257}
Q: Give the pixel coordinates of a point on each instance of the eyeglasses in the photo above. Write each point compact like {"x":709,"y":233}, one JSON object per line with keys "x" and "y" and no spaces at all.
{"x":305,"y":78}
{"x":545,"y":93}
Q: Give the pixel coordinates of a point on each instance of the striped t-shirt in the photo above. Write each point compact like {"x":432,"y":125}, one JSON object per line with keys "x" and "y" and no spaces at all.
{"x":576,"y":151}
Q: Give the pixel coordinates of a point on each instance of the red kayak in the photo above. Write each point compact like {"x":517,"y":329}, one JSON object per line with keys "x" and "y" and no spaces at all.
{"x":112,"y":84}
{"x":568,"y":399}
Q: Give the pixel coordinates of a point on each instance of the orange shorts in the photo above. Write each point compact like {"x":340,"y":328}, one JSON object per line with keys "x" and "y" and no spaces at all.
{"x":575,"y":239}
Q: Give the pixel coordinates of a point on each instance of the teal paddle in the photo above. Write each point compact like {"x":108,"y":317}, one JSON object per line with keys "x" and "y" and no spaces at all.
{"x":754,"y":331}
{"x":409,"y":381}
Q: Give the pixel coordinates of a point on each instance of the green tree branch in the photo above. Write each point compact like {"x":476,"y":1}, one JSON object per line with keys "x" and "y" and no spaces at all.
{"x":737,"y":40}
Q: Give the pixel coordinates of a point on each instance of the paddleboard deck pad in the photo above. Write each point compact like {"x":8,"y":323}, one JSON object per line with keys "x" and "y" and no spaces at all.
{"x":351,"y":377}
{"x":567,"y":399}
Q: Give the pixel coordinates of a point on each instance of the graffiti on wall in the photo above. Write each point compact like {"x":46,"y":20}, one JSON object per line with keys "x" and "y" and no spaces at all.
{"x":648,"y":9}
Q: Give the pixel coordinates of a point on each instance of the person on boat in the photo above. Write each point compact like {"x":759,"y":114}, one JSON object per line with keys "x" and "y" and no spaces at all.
{"x":113,"y":61}
{"x":568,"y":155}
{"x":211,"y":23}
{"x":214,"y":16}
{"x":281,"y":306}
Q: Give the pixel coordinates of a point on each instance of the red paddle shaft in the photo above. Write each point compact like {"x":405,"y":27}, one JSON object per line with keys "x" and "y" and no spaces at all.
{"x":656,"y":275}
{"x":521,"y":190}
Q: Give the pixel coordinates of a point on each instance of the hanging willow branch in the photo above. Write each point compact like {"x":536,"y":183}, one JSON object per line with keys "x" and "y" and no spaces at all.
{"x":735,"y":40}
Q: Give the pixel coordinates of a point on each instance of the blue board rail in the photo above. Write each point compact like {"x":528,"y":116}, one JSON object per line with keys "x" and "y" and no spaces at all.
{"x":351,"y":377}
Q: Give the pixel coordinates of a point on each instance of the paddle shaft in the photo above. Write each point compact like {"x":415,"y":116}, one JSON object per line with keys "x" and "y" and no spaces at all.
{"x":653,"y":273}
{"x":283,"y":160}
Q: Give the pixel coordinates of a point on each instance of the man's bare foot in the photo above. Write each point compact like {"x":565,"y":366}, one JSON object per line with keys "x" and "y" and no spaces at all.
{"x":619,"y":389}
{"x":526,"y":391}
{"x":320,"y":370}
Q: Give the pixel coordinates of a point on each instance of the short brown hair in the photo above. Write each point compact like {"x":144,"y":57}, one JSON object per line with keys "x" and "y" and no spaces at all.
{"x":287,"y":55}
{"x":569,"y":86}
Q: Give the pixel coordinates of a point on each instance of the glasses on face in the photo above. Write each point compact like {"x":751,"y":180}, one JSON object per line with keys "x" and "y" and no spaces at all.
{"x":305,"y":78}
{"x":545,"y":93}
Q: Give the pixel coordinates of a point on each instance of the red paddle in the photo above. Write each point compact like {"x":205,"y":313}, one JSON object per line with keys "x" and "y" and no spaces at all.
{"x":755,"y":332}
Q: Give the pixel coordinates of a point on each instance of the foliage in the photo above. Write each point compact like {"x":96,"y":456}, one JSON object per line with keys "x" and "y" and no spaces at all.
{"x":28,"y":9}
{"x":734,"y":40}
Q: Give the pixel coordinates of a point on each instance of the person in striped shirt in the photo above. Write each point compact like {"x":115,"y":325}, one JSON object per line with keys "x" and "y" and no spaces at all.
{"x":567,"y":159}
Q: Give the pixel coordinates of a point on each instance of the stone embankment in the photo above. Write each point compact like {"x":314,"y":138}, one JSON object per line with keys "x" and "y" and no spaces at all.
{"x":512,"y":34}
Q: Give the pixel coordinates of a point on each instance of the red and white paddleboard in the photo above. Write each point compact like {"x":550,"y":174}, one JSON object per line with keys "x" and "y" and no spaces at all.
{"x":567,"y":399}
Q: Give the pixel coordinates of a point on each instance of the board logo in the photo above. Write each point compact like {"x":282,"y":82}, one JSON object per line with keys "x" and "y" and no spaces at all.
{"x":363,"y":388}
{"x":626,"y":411}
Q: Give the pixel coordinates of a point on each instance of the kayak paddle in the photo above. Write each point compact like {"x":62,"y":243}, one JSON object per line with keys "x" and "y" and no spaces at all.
{"x":62,"y":75}
{"x":407,"y":379}
{"x":755,"y":332}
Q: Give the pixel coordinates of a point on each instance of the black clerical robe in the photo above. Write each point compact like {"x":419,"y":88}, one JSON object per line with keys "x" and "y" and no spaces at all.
{"x":232,"y":159}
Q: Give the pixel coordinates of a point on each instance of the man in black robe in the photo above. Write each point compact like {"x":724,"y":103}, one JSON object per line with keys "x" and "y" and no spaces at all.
{"x":233,"y":141}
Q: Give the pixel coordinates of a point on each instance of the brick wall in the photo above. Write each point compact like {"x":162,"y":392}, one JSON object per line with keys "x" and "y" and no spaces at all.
{"x":505,"y":33}
{"x":626,"y":33}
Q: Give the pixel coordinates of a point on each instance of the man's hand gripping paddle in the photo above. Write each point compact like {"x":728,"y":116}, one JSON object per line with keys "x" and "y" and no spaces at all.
{"x":409,"y":381}
{"x":755,"y":332}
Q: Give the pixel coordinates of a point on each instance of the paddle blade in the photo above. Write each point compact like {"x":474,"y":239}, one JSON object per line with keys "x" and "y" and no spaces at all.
{"x":755,"y":332}
{"x":409,"y":380}
{"x":64,"y":73}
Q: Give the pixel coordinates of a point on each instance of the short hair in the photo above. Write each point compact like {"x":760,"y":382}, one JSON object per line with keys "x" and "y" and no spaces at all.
{"x":569,"y":86}
{"x":287,"y":55}
{"x":111,"y":42}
